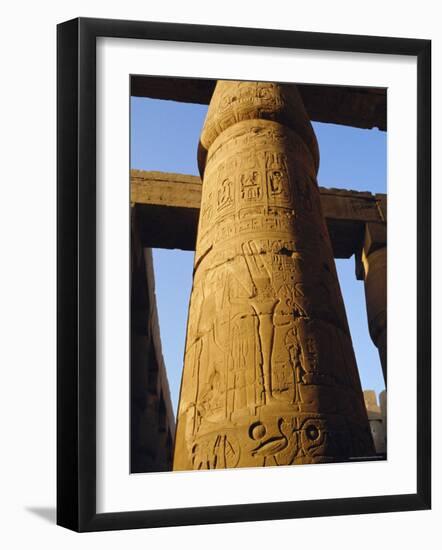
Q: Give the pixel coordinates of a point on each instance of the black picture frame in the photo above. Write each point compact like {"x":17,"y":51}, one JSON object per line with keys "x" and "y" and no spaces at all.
{"x":76,"y":273}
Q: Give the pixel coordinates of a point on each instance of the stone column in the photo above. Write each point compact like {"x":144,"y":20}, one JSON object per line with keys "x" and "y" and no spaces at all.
{"x":269,"y":373}
{"x":377,"y":419}
{"x":152,"y":422}
{"x":374,"y":262}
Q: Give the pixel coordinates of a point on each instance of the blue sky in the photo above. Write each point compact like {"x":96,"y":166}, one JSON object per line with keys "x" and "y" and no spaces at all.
{"x":164,"y":137}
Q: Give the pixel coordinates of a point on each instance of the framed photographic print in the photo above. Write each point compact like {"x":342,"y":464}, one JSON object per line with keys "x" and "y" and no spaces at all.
{"x":223,"y":283}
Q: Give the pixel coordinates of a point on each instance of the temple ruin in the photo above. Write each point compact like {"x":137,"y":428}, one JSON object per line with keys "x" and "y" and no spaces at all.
{"x":270,"y":376}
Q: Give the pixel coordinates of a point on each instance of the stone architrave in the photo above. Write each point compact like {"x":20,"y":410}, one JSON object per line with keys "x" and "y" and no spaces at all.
{"x":269,"y":376}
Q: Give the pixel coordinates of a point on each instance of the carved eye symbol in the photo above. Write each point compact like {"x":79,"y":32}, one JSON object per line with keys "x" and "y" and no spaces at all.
{"x":312,"y":432}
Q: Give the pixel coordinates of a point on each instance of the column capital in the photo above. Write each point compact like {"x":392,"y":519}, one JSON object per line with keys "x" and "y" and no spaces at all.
{"x":237,"y":101}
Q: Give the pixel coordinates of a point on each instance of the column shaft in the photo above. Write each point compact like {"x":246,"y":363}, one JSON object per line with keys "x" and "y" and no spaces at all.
{"x":270,"y":376}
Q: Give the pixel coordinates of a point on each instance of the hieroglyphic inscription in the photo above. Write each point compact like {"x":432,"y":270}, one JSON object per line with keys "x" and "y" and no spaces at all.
{"x":270,"y":376}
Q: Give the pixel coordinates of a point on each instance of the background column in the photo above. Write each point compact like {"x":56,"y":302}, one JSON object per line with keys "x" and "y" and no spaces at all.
{"x":374,"y":262}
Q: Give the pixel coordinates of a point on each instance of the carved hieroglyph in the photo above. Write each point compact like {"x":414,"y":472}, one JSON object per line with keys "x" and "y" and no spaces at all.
{"x":269,"y":375}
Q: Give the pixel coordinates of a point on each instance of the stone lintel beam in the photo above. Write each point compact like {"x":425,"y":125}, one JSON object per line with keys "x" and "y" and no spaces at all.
{"x":168,"y":210}
{"x":346,"y":105}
